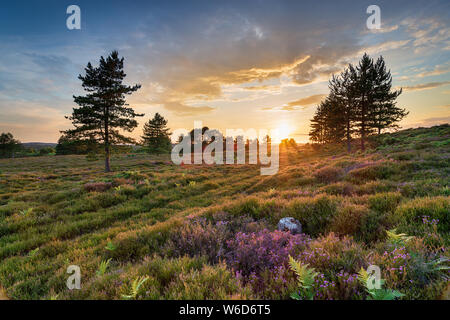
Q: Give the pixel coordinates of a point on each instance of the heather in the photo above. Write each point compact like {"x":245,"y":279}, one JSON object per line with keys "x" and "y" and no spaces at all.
{"x":154,"y":230}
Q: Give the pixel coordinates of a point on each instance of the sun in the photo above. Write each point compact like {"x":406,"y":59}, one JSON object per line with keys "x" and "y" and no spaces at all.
{"x":282,"y":132}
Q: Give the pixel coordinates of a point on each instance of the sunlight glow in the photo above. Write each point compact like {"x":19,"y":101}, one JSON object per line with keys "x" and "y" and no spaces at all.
{"x":281,"y":132}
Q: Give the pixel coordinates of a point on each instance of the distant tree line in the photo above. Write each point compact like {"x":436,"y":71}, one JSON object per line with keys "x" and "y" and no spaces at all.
{"x":13,"y":148}
{"x":361,"y":102}
{"x":8,"y":145}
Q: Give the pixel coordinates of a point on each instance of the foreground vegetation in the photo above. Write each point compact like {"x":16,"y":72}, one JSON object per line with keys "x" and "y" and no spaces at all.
{"x":154,"y":230}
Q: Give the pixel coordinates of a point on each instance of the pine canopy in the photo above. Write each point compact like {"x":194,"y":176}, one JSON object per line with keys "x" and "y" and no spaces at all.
{"x":103,"y":114}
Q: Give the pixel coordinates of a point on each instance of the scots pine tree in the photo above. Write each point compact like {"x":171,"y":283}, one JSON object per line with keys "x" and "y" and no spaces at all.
{"x":364,"y":77}
{"x":103,"y":113}
{"x":361,"y":101}
{"x":384,"y":113}
{"x":155,"y":136}
{"x":342,"y":97}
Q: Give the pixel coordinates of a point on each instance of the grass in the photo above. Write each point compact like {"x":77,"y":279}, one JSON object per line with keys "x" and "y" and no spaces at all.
{"x":56,"y":211}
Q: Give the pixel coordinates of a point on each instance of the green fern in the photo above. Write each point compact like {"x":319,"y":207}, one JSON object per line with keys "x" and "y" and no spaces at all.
{"x":110,"y":246}
{"x":33,"y":252}
{"x":377,"y":294}
{"x":437,"y":265}
{"x":397,"y":238}
{"x":305,"y":278}
{"x":135,"y":287}
{"x":26,"y":212}
{"x":103,"y":267}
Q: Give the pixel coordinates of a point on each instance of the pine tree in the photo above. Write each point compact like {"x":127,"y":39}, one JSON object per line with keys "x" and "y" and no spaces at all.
{"x":342,"y":97}
{"x":384,"y":112}
{"x":364,"y":77}
{"x":103,"y":110}
{"x":360,"y":101}
{"x":8,"y":145}
{"x":156,"y":135}
{"x":317,"y":132}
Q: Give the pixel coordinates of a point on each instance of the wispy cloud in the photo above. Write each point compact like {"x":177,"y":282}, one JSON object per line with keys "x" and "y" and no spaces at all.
{"x":425,"y":86}
{"x":438,"y":70}
{"x":302,"y":102}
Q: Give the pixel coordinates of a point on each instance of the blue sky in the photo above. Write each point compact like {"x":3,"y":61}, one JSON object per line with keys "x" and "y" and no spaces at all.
{"x":231,"y":64}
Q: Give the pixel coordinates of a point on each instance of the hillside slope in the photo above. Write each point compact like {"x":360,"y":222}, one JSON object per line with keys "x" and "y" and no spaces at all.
{"x":208,"y":232}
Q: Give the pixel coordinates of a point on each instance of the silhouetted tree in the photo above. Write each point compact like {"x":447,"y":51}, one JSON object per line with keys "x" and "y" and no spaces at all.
{"x":384,"y":113}
{"x":8,"y":145}
{"x":342,"y":98}
{"x":361,"y":101}
{"x":103,"y":110}
{"x":156,"y":135}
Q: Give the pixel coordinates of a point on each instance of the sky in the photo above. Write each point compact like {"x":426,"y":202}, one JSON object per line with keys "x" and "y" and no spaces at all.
{"x":230,"y":64}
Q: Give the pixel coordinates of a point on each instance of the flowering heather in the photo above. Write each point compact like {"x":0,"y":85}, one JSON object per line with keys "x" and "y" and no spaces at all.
{"x":343,"y":286}
{"x":254,"y":252}
{"x":331,"y":254}
{"x":276,"y":283}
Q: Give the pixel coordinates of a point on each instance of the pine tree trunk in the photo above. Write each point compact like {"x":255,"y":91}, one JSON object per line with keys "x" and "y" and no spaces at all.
{"x":349,"y":145}
{"x":363,"y":147}
{"x":107,"y":166}
{"x":363,"y":124}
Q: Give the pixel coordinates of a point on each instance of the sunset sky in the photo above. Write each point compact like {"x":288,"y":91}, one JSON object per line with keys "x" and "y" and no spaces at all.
{"x":230,"y":64}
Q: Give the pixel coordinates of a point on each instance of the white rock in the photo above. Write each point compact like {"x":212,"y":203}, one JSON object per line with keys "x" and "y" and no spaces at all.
{"x":290,"y":224}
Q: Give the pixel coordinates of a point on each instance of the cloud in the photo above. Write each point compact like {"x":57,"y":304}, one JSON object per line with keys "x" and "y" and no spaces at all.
{"x":429,"y":32}
{"x":386,"y":29}
{"x":385,"y":46}
{"x":425,"y":86}
{"x":182,"y":109}
{"x":438,"y":70}
{"x":302,"y":102}
{"x":316,"y":98}
{"x":323,"y":62}
{"x":271,"y":88}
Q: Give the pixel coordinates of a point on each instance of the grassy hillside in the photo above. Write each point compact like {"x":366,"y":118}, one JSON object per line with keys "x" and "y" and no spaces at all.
{"x":202,"y":232}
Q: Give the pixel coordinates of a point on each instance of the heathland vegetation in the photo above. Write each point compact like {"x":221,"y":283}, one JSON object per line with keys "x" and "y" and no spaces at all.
{"x":146,"y":228}
{"x":198,"y":231}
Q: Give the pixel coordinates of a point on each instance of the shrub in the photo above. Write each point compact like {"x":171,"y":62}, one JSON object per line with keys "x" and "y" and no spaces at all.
{"x":189,"y":278}
{"x":412,"y":212}
{"x":315,"y":214}
{"x":97,"y":186}
{"x":384,"y":202}
{"x":254,"y":252}
{"x":328,"y":174}
{"x":347,"y":221}
{"x":404,"y":156}
{"x":277,"y":283}
{"x":202,"y":237}
{"x":198,"y":238}
{"x":372,"y":172}
{"x":373,"y":227}
{"x":331,"y":254}
{"x":342,"y":286}
{"x":211,"y":282}
{"x":340,"y":188}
